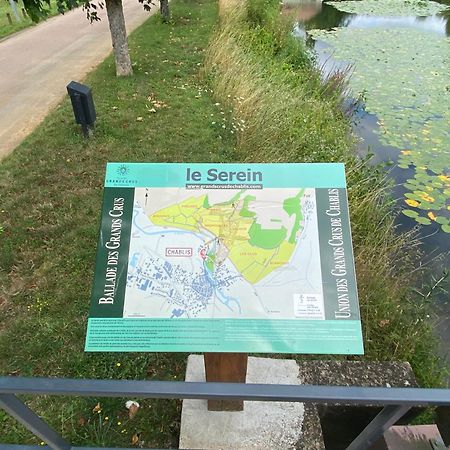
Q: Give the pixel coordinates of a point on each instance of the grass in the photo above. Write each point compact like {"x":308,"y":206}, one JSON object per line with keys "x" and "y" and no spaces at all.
{"x":268,"y":105}
{"x":50,"y":197}
{"x":6,"y":28}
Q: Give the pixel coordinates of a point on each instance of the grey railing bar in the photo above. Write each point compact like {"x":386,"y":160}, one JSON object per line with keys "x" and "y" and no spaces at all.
{"x":253,"y":392}
{"x":387,"y":417}
{"x":30,"y":420}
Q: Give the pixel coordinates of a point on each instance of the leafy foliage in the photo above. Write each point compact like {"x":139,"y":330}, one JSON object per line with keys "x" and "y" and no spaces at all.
{"x":40,"y":9}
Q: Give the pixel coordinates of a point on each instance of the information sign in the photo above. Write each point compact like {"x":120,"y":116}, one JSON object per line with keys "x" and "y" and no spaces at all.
{"x":225,"y":258}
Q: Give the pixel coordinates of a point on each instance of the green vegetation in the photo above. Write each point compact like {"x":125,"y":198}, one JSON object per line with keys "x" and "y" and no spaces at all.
{"x":290,"y":115}
{"x":292,"y":206}
{"x":209,"y":263}
{"x":267,"y":238}
{"x":6,"y":28}
{"x":50,"y":197}
{"x":269,"y":105}
{"x":245,"y":212}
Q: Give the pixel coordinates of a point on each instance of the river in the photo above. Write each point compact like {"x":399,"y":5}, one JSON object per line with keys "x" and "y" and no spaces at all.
{"x":398,"y":54}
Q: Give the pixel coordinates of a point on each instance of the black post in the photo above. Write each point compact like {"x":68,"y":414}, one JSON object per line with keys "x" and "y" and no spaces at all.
{"x":83,"y":106}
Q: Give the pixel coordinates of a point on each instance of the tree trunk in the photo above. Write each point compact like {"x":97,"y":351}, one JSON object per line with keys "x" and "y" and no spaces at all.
{"x":164,"y":9}
{"x":116,"y":20}
{"x":14,"y":9}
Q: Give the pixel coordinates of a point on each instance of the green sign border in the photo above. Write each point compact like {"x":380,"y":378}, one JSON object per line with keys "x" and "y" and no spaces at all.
{"x":109,"y":331}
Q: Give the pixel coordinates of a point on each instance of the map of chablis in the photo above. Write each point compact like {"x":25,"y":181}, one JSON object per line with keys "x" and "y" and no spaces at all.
{"x":237,"y":233}
{"x":245,"y":253}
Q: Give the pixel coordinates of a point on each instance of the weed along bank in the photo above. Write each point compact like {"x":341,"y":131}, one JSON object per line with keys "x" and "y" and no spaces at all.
{"x":190,"y":260}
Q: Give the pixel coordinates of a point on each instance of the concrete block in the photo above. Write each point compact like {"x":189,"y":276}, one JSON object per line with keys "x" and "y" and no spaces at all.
{"x":261,"y":425}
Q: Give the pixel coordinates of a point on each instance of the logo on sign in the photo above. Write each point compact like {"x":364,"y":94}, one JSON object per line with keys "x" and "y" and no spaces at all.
{"x":123,"y":170}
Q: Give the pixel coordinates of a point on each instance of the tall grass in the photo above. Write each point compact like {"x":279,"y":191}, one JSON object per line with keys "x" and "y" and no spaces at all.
{"x":285,"y":112}
{"x":268,"y":78}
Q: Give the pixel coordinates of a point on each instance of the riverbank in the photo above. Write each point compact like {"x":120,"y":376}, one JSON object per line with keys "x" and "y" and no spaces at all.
{"x":267,"y":77}
{"x":51,"y":188}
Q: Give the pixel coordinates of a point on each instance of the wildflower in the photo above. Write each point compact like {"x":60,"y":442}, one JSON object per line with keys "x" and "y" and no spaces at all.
{"x":428,"y":198}
{"x":97,"y":408}
{"x":411,"y":202}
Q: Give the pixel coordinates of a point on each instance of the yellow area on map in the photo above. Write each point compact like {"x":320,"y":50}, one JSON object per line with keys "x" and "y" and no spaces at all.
{"x":256,"y":263}
{"x":224,"y":221}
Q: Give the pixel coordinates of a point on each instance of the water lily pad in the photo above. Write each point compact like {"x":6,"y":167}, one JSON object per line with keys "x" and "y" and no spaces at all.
{"x":410,"y":213}
{"x":423,"y":220}
{"x":390,"y":7}
{"x":407,"y":86}
{"x":442,"y":220}
{"x":446,"y":228}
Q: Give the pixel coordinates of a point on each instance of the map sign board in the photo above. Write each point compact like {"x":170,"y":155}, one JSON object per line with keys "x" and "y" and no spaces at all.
{"x":225,"y":258}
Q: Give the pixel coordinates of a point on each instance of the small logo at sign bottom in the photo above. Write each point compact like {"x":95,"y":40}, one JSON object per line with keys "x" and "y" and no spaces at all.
{"x":309,"y":306}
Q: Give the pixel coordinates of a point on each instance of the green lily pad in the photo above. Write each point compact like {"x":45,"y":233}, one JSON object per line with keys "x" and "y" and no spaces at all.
{"x":442,"y":220}
{"x":423,"y":220}
{"x":446,"y":228}
{"x":390,"y":7}
{"x":410,"y":213}
{"x":405,"y":75}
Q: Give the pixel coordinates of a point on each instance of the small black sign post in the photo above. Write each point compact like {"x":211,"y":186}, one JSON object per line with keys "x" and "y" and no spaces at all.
{"x":83,"y":106}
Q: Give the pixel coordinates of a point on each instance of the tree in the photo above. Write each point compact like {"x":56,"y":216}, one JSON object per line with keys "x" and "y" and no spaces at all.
{"x":14,"y":10}
{"x":39,"y":9}
{"x":164,"y":9}
{"x":114,"y":10}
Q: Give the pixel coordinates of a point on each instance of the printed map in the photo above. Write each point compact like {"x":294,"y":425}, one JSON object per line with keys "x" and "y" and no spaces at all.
{"x":249,"y":253}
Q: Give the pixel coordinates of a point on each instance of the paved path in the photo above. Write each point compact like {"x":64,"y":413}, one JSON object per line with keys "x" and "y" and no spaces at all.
{"x":38,"y":63}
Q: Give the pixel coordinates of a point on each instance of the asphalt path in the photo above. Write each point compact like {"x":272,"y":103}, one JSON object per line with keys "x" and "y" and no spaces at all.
{"x":36,"y":65}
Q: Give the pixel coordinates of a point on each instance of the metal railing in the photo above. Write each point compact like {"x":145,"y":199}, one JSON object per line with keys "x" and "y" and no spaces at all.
{"x":396,"y":401}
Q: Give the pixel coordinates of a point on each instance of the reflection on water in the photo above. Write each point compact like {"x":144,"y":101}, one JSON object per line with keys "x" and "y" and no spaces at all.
{"x":434,"y":23}
{"x":302,"y":11}
{"x":367,"y":125}
{"x":326,"y":17}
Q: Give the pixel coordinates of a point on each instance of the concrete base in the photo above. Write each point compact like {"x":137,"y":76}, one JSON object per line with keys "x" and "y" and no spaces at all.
{"x":262,"y":425}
